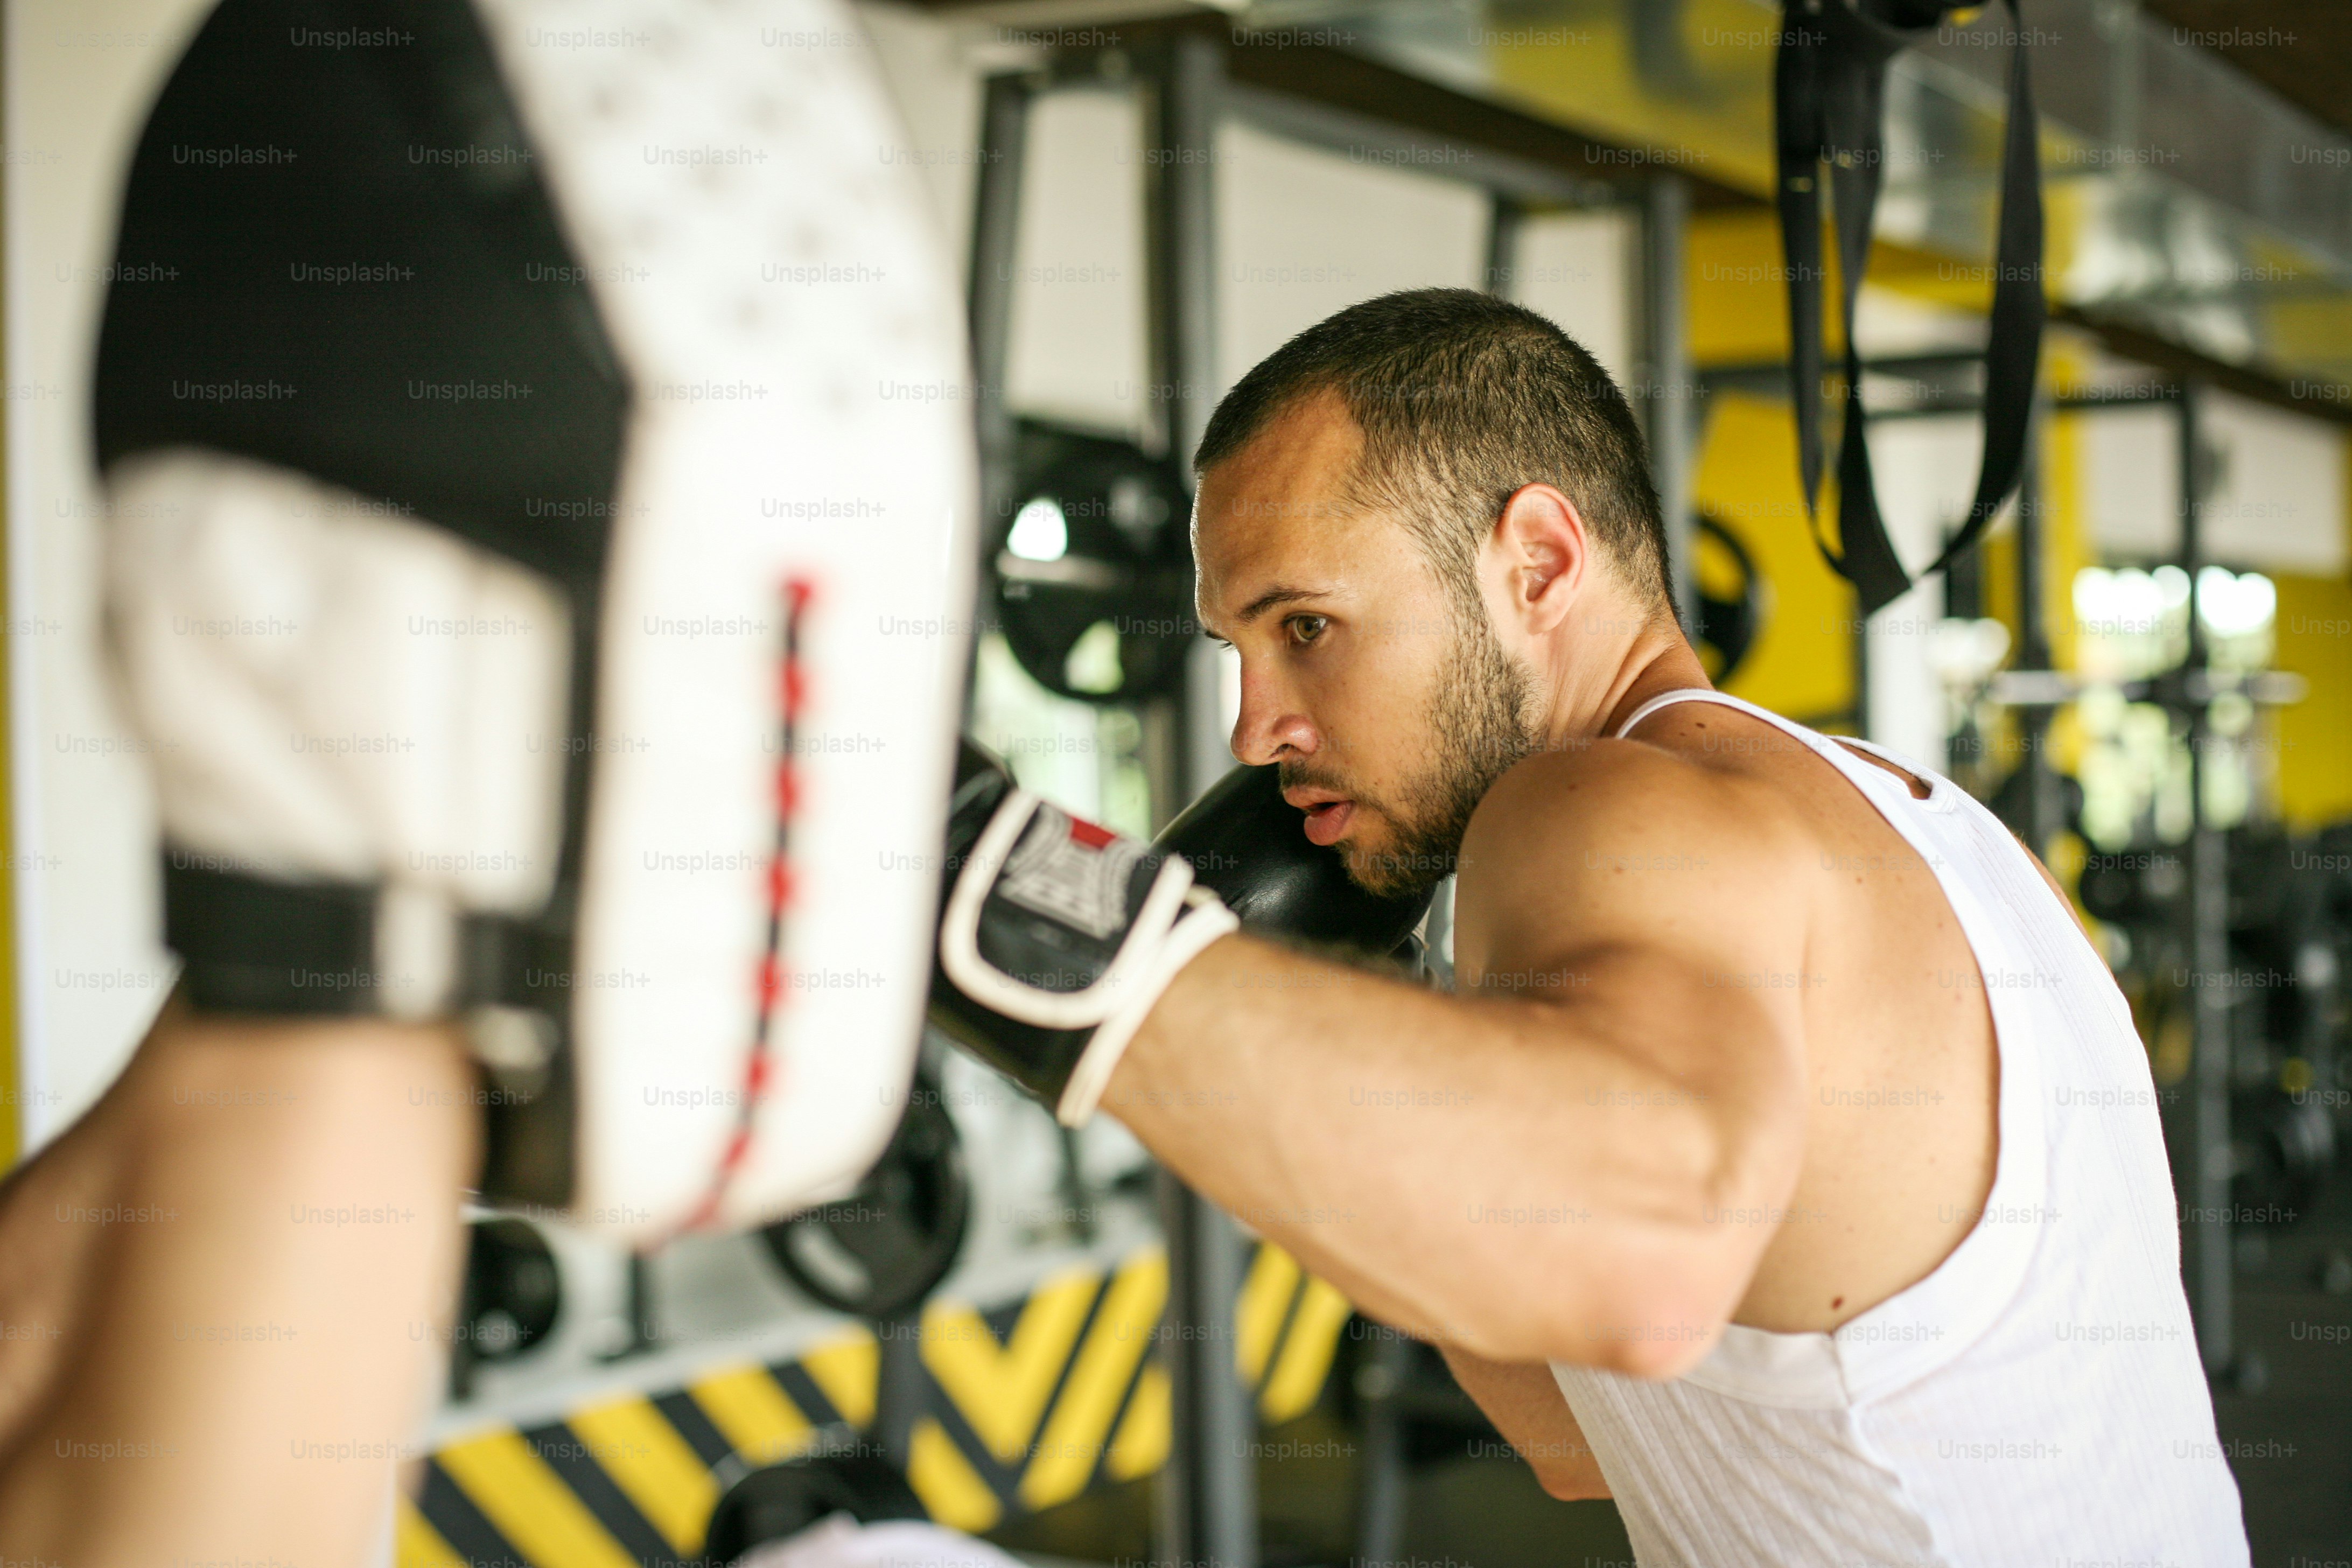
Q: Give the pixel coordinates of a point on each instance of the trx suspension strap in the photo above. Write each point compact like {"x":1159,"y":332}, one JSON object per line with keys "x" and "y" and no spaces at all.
{"x":1829,"y":102}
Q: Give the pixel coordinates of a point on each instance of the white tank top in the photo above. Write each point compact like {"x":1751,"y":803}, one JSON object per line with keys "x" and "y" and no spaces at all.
{"x":2036,"y":1399}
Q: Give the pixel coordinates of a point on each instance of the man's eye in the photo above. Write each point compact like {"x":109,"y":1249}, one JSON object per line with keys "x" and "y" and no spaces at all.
{"x":1305,"y":628}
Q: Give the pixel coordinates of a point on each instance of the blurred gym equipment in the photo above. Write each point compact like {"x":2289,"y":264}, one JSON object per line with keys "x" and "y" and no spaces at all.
{"x":883,"y":1248}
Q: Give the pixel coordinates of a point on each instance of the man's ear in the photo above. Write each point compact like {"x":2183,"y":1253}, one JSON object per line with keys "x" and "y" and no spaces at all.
{"x":1539,"y":556}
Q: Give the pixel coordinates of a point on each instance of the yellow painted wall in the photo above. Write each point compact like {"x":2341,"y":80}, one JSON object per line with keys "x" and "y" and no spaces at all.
{"x":2315,"y":735}
{"x":1577,"y":64}
{"x":1737,"y":310}
{"x":1802,"y":663}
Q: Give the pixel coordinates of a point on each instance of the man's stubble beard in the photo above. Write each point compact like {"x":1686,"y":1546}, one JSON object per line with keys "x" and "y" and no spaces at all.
{"x":1481,"y":721}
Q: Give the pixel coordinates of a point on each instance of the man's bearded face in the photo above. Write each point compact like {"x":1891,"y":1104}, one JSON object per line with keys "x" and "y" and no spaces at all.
{"x":1475,"y":725}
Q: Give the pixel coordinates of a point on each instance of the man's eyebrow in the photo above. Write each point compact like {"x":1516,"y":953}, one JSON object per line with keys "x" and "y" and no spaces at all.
{"x":1271,"y":598}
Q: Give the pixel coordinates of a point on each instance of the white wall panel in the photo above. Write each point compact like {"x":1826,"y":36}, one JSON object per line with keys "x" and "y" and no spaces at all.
{"x":2131,"y":479}
{"x":2278,"y":500}
{"x":1080,"y":348}
{"x":1577,"y":268}
{"x":1303,"y":232}
{"x":91,"y":967}
{"x":1926,"y":473}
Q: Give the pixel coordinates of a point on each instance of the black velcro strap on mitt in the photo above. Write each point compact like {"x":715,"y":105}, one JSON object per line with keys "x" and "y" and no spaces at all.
{"x":1829,"y":92}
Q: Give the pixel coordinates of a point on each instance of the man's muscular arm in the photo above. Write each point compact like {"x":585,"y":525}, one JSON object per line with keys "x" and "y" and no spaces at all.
{"x":1541,"y":1171}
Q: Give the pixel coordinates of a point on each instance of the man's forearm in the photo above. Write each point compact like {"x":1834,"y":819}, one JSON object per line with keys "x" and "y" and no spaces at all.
{"x":1482,"y":1172}
{"x":250,"y":1248}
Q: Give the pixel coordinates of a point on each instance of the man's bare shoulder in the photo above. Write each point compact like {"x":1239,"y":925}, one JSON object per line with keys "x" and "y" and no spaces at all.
{"x":1605,"y":795}
{"x":1606,"y":835}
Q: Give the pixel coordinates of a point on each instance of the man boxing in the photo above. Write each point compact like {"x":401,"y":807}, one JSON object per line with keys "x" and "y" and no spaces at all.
{"x":1736,"y":1182}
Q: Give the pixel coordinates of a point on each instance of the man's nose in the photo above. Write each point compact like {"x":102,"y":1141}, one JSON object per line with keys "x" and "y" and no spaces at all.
{"x":1270,"y":728}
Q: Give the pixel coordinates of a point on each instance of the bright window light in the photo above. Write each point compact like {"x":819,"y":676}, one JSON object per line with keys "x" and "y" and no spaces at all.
{"x":1040,"y":532}
{"x":2233,"y":606}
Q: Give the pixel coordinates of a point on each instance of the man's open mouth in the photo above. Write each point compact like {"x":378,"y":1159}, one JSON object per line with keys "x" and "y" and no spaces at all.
{"x":1327,"y":820}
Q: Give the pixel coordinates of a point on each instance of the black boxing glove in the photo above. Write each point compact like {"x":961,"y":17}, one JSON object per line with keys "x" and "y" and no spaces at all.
{"x":1250,"y":846}
{"x":1055,"y":937}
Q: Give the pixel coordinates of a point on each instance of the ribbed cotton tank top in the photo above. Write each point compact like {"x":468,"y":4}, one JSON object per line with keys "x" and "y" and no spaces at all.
{"x":2037,"y":1400}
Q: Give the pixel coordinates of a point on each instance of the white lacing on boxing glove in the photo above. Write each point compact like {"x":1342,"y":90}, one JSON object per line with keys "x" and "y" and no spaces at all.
{"x":1070,"y":886}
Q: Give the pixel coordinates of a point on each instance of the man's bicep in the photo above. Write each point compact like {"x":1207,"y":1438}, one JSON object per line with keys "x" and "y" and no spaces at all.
{"x":1686,"y":951}
{"x":1675,"y":941}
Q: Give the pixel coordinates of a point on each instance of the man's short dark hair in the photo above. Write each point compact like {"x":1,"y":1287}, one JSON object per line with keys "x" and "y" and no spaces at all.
{"x":1463,"y":399}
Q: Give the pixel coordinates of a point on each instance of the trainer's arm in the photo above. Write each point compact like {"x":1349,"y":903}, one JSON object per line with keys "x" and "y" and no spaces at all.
{"x":1531,"y":1180}
{"x":225,"y":1290}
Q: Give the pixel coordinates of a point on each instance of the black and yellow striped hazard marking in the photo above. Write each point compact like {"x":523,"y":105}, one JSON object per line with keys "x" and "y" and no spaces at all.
{"x":1025,"y":1406}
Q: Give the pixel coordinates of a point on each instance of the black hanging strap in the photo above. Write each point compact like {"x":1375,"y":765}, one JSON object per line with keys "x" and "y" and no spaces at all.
{"x":1828,"y":99}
